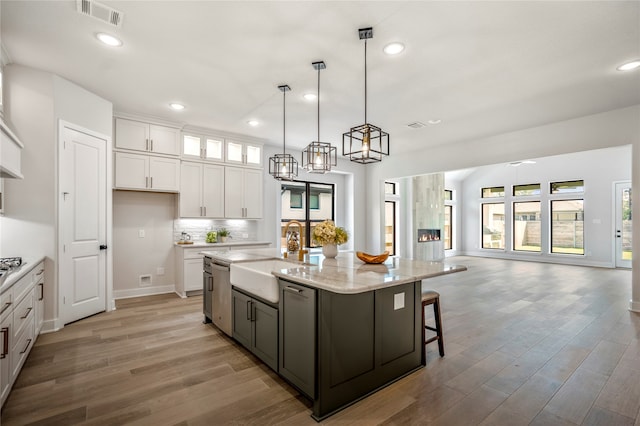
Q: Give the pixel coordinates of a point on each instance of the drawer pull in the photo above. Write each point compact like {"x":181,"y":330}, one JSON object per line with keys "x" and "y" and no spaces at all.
{"x":26,"y":314}
{"x":26,"y":347}
{"x":5,"y":307}
{"x":40,"y":272}
{"x":5,"y":342}
{"x":292,"y":289}
{"x":41,"y":291}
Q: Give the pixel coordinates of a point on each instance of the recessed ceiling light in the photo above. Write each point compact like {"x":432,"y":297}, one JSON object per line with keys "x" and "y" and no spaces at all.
{"x":434,"y":121}
{"x":310,"y":96}
{"x":393,"y":48}
{"x":629,"y":65}
{"x":177,"y":106}
{"x":109,"y":39}
{"x":253,"y":123}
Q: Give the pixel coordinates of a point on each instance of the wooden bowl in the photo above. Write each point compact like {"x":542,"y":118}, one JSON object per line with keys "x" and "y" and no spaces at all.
{"x":372,"y":258}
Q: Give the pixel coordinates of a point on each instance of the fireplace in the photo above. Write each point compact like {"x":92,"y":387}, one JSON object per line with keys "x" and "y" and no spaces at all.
{"x":428,"y":235}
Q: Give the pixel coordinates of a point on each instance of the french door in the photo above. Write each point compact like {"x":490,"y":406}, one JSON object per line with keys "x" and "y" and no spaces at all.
{"x":623,"y":224}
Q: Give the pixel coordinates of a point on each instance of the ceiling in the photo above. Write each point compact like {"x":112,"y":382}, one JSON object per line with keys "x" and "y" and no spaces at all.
{"x":483,"y":68}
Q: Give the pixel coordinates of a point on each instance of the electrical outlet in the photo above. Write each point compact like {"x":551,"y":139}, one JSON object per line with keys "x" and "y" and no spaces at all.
{"x":141,"y":233}
{"x":160,"y":271}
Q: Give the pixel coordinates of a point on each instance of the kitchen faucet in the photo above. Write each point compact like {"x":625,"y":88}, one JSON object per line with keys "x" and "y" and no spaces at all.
{"x":301,"y":251}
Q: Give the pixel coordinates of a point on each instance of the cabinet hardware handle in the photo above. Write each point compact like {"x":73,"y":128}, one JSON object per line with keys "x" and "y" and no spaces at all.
{"x":151,"y":144}
{"x":26,"y":314}
{"x":26,"y":347}
{"x":5,"y":342}
{"x":205,"y":210}
{"x":41,"y":291}
{"x":210,"y":283}
{"x":249,"y":310}
{"x":146,"y":144}
{"x":5,"y":307}
{"x":292,"y":289}
{"x":40,"y":272}
{"x":146,"y":182}
{"x":151,"y":179}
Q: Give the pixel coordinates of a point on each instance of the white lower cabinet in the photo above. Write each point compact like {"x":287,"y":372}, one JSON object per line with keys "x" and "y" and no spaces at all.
{"x":242,"y":193}
{"x":6,"y":331}
{"x":188,"y":270}
{"x":146,"y":172}
{"x":201,"y":190}
{"x":21,"y":318}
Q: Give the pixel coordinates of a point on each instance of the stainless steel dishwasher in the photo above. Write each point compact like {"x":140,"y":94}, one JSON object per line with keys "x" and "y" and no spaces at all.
{"x":217,"y":294}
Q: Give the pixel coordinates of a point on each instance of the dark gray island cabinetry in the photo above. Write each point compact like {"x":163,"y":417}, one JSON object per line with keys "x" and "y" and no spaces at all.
{"x":337,"y":348}
{"x":255,"y":326}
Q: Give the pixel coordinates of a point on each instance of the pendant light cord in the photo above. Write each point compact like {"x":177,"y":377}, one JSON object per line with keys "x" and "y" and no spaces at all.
{"x":284,"y":121}
{"x":365,"y":81}
{"x":318,"y":104}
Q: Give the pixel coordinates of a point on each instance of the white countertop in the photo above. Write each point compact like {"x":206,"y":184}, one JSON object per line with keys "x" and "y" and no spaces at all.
{"x":28,"y":263}
{"x":344,"y":274}
{"x":347,"y":274}
{"x":200,"y":244}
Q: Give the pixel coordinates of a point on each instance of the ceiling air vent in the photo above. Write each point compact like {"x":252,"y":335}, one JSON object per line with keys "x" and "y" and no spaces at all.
{"x":416,"y":125}
{"x":100,"y":11}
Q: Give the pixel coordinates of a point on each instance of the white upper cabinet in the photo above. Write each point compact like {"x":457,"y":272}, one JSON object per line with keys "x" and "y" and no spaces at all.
{"x":249,"y":154}
{"x":243,"y":193}
{"x":140,"y":136}
{"x":202,"y":147}
{"x":146,"y":172}
{"x":201,"y":190}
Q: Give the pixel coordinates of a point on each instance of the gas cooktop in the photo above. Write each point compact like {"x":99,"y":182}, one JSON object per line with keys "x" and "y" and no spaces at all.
{"x":7,"y":263}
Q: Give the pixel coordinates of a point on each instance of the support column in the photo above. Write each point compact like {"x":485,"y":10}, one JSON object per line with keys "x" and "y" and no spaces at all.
{"x":634,"y":303}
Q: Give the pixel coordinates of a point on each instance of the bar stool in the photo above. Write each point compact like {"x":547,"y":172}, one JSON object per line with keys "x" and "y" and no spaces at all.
{"x":431,"y":297}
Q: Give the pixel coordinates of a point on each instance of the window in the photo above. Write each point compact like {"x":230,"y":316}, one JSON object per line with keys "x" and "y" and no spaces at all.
{"x":390,"y":188}
{"x":448,"y":195}
{"x":307,"y":202}
{"x":390,"y":227}
{"x":493,"y":225}
{"x":493,"y":192}
{"x":526,"y":226}
{"x":526,"y":190}
{"x":571,"y":186}
{"x":448,"y":231}
{"x":567,"y":226}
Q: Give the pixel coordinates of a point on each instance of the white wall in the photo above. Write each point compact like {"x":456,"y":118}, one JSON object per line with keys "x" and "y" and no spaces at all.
{"x":133,"y":256}
{"x":34,"y":103}
{"x":599,"y":169}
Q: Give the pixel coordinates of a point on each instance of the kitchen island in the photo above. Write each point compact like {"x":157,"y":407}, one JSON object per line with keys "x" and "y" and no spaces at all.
{"x":340,"y":329}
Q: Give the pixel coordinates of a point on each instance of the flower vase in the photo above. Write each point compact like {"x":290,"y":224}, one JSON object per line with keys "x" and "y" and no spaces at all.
{"x":330,"y":251}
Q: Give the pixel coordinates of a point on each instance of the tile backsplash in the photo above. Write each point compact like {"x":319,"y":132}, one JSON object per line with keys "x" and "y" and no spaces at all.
{"x":240,"y":230}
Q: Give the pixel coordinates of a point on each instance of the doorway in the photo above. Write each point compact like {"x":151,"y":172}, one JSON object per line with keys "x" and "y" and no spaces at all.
{"x":623,"y":224}
{"x":82,"y":223}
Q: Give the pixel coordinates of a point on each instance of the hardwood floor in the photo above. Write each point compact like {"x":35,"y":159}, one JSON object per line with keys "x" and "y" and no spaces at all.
{"x":526,"y":344}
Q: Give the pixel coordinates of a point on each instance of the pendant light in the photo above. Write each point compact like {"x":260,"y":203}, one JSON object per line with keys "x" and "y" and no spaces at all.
{"x":365,"y":143}
{"x":318,"y":157}
{"x":283,"y":166}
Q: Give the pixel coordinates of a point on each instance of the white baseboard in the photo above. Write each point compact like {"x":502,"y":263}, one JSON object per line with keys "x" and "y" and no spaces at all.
{"x":634,"y":306}
{"x":49,"y":326}
{"x":558,"y":259}
{"x":143,"y":291}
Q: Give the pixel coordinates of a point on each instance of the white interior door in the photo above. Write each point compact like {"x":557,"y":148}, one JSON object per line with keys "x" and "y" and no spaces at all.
{"x":83,"y":200}
{"x":623,"y":224}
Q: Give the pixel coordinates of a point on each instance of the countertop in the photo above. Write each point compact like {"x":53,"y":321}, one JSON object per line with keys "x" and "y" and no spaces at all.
{"x":201,"y":244}
{"x":344,"y":274}
{"x":8,"y":280}
{"x":347,"y":274}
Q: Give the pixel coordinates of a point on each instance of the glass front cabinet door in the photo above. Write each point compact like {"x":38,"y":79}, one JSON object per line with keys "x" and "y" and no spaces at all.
{"x":202,"y":147}
{"x":249,"y":154}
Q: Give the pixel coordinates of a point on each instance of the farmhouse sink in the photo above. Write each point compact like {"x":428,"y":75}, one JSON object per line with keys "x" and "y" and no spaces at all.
{"x":256,"y":278}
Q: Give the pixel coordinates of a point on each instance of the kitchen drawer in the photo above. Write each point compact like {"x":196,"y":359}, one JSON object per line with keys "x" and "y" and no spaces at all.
{"x":192,"y":253}
{"x":21,"y":347}
{"x":22,"y":314}
{"x":6,"y":302}
{"x":22,"y":287}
